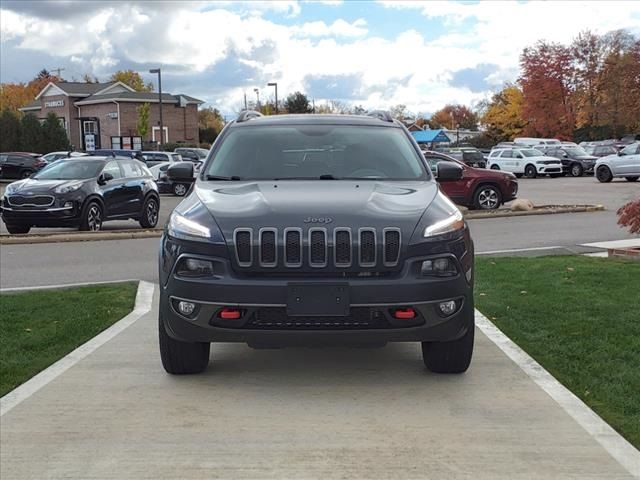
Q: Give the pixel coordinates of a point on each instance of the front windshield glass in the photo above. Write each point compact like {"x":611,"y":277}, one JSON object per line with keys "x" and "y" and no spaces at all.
{"x":532,"y":153}
{"x":70,"y":170}
{"x":201,"y":152}
{"x":316,"y":151}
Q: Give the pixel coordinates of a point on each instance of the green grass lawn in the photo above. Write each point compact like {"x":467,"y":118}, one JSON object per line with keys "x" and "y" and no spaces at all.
{"x":579,"y":317}
{"x":40,"y":327}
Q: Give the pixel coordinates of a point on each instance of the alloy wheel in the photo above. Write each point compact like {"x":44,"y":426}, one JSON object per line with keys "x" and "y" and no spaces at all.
{"x":576,"y":170}
{"x":530,"y":171}
{"x":94,"y":218}
{"x":179,"y":189}
{"x":152,"y":212}
{"x":488,"y":199}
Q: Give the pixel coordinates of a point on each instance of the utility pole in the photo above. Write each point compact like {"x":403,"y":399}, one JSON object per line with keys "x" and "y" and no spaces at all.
{"x":157,"y":70}
{"x":59,"y":69}
{"x":257,"y":98}
{"x":245,"y":100}
{"x":274,"y":84}
{"x":313,"y":101}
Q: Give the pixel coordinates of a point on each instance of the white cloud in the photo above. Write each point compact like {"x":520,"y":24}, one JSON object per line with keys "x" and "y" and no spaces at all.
{"x":193,"y":39}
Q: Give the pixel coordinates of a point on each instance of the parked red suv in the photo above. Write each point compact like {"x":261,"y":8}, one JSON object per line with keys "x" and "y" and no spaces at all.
{"x":478,"y":188}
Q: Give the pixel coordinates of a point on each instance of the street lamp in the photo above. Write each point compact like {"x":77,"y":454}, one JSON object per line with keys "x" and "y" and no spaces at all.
{"x":157,"y":70}
{"x":274,"y":84}
{"x":257,"y":97}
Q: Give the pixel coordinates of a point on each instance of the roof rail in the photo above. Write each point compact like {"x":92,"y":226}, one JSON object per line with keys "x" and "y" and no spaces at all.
{"x":381,"y":114}
{"x":247,"y":115}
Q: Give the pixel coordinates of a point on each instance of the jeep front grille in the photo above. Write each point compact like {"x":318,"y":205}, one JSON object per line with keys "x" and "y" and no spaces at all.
{"x":317,"y":247}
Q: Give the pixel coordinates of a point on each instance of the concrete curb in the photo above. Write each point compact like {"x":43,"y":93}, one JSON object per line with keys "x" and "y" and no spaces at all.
{"x":539,"y":210}
{"x":78,"y":236}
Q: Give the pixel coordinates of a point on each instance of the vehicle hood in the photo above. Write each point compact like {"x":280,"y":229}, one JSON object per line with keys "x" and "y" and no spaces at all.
{"x":31,"y":186}
{"x":488,"y":173}
{"x":588,"y":158}
{"x":324,"y":203}
{"x":541,"y":157}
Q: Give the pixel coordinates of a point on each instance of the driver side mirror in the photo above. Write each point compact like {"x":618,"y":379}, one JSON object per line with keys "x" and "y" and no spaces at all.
{"x":449,"y":171}
{"x":620,"y":154}
{"x":104,"y":178}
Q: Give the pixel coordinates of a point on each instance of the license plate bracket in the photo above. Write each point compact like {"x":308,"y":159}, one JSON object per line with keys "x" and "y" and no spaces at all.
{"x":318,"y":299}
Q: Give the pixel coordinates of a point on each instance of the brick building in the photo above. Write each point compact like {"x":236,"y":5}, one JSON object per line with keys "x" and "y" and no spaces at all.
{"x":104,"y":115}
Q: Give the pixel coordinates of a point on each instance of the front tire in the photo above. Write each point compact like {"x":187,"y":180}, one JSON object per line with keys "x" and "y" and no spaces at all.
{"x":631,"y":179}
{"x":495,"y":167}
{"x":576,"y":170}
{"x":91,"y":217}
{"x":487,"y":197}
{"x":603,"y":174}
{"x":449,"y":357}
{"x":149,"y":214}
{"x":181,"y":358}
{"x":17,"y":229}
{"x":530,"y":171}
{"x":26,"y":174}
{"x":179,"y":189}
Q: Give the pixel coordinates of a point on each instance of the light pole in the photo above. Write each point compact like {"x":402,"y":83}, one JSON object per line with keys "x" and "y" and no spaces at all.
{"x":274,"y":84}
{"x":157,"y":70}
{"x":257,"y":98}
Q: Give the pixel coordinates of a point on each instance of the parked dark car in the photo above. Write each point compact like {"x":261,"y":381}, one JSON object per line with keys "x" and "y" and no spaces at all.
{"x":600,"y":150}
{"x":469,"y":156}
{"x":82,"y":192}
{"x":177,"y":178}
{"x":151,"y":158}
{"x":20,"y":164}
{"x":192,"y":154}
{"x":316,"y":229}
{"x":575,"y":160}
{"x":136,"y":154}
{"x":478,"y":188}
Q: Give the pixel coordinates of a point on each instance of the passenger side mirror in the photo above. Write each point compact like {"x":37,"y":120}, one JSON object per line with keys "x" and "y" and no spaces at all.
{"x":104,"y":178}
{"x":449,"y":171}
{"x":180,"y":171}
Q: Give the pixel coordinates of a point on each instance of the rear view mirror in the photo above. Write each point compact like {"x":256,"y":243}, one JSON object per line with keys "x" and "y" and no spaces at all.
{"x":180,"y":171}
{"x":449,"y":171}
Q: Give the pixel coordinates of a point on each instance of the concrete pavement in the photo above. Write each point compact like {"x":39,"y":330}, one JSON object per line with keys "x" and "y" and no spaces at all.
{"x":294,"y":413}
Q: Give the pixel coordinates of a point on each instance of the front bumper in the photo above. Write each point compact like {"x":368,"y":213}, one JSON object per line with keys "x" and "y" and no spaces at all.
{"x":549,"y":169}
{"x":62,"y":213}
{"x":263,"y":303}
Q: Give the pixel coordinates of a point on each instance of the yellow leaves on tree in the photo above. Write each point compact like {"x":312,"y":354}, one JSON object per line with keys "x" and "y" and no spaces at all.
{"x":503,"y":117}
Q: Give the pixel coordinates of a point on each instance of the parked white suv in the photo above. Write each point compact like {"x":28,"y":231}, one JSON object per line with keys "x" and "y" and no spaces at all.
{"x":524,"y":161}
{"x":626,"y":163}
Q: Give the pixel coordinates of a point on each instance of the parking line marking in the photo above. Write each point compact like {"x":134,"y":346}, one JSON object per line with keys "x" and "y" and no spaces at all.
{"x":514,"y":250}
{"x":144,"y":297}
{"x":65,"y":285}
{"x":619,"y":448}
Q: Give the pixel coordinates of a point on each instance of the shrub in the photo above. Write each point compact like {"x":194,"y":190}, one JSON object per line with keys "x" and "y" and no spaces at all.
{"x":629,"y":216}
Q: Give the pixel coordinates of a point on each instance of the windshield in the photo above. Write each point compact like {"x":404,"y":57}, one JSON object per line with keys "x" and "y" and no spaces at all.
{"x":70,"y":170}
{"x":201,"y":152}
{"x":532,"y":153}
{"x":316,"y":151}
{"x":576,"y":151}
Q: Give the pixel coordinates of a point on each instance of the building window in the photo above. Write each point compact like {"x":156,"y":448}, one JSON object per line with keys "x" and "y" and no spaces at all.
{"x":115,"y":143}
{"x":90,"y":127}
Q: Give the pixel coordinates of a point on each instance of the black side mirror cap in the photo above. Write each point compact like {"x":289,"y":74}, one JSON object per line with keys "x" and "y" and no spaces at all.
{"x":449,"y":171}
{"x":104,"y":178}
{"x":180,"y":171}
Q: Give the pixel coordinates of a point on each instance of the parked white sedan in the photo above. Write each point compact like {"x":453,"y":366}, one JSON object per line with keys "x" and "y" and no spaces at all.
{"x":524,"y":161}
{"x":626,"y":163}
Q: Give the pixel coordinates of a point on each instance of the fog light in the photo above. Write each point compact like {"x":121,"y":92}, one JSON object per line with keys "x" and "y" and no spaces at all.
{"x":68,"y":204}
{"x":447,"y":308}
{"x":186,"y":308}
{"x":194,"y":267}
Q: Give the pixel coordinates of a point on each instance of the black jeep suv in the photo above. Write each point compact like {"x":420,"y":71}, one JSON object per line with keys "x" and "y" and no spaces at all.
{"x":316,"y":229}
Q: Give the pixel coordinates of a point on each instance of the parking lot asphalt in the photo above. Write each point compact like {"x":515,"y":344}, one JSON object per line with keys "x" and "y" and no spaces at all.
{"x":294,"y":413}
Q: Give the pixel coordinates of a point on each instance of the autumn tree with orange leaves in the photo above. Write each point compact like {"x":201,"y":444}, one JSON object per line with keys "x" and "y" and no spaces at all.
{"x":454,"y":116}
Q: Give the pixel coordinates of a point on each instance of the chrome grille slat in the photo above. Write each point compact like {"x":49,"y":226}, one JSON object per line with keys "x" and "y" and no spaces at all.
{"x":317,"y":247}
{"x":268,"y":242}
{"x":342,"y":247}
{"x":367,"y":247}
{"x":391,"y":242}
{"x":243,"y":240}
{"x":293,"y":247}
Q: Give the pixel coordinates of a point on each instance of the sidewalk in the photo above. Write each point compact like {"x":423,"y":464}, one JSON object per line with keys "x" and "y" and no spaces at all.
{"x":294,"y":413}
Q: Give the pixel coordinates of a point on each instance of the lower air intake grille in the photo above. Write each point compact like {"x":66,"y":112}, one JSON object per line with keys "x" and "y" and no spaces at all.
{"x":273,"y":318}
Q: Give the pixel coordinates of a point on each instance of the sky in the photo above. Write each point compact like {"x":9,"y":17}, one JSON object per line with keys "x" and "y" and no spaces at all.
{"x":371,"y":53}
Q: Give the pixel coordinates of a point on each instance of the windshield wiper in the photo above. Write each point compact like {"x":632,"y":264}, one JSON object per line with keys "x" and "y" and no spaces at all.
{"x":215,"y":177}
{"x":326,"y":176}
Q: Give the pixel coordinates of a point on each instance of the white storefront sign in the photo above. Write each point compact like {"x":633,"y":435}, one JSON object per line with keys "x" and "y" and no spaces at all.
{"x":54,"y":103}
{"x":112,"y":115}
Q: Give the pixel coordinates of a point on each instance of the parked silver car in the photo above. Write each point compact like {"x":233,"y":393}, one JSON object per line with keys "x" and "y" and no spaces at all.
{"x":626,"y":163}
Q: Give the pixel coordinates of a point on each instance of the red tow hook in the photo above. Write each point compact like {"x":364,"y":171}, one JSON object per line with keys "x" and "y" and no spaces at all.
{"x":230,"y":313}
{"x":404,"y":313}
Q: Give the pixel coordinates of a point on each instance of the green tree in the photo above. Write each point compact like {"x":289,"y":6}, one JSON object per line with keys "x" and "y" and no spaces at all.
{"x":210,"y":124}
{"x":143,"y":119}
{"x":297,"y":103}
{"x":9,"y":131}
{"x":503,"y":119}
{"x":31,"y":134}
{"x":132,"y":79}
{"x":54,"y":136}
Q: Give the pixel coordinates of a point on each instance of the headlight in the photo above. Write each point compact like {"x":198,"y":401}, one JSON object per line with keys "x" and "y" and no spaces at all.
{"x":12,"y":187}
{"x":182,"y":227}
{"x":72,"y":187}
{"x":455,"y":221}
{"x":540,"y":162}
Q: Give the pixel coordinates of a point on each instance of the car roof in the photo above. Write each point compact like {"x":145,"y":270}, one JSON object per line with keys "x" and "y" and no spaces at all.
{"x":315,"y":119}
{"x":30,"y":154}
